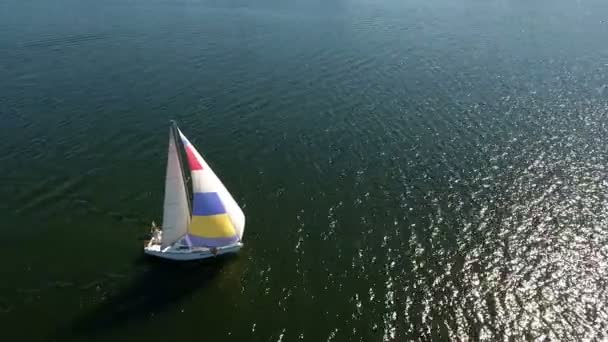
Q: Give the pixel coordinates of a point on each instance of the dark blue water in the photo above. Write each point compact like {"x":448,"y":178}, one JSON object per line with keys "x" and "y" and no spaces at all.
{"x":410,"y":170}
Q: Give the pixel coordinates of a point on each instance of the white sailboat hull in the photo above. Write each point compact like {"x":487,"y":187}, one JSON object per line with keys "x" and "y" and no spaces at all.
{"x":186,"y":254}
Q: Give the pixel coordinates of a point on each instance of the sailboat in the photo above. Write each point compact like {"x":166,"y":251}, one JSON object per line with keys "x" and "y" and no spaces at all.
{"x":205,"y":224}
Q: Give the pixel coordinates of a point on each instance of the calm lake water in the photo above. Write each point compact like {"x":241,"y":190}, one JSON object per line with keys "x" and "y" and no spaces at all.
{"x":409,"y":169}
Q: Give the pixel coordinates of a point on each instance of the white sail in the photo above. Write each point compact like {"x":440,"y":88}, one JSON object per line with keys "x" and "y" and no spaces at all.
{"x":176,"y":214}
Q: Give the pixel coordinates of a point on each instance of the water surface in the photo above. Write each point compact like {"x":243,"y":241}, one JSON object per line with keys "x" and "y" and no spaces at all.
{"x":410,"y":170}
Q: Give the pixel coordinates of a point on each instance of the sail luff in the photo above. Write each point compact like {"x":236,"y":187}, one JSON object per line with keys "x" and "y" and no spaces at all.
{"x":178,"y":145}
{"x":176,"y":211}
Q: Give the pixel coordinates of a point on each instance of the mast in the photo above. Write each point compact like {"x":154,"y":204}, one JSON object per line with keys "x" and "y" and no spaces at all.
{"x":178,"y":142}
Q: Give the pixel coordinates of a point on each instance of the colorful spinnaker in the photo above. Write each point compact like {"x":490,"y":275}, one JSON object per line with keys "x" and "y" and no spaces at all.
{"x":217,"y":220}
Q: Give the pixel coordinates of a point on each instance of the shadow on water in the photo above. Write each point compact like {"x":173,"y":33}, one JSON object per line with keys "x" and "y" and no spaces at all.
{"x":162,"y":285}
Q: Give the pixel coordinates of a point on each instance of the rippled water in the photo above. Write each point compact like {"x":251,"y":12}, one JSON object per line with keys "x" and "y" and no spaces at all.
{"x":410,"y":170}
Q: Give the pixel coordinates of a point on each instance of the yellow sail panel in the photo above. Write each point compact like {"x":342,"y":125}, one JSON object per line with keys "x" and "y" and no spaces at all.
{"x":213,"y":226}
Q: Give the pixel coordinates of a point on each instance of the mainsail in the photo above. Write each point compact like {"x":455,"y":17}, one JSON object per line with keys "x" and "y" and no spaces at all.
{"x":217,"y":220}
{"x":176,"y":212}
